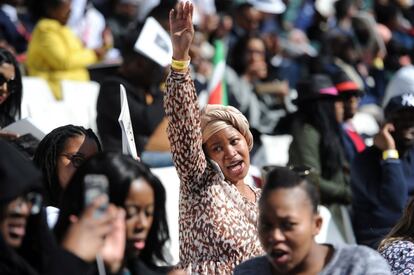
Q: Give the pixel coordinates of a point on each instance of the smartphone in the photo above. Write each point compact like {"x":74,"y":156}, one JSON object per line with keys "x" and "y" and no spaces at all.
{"x":95,"y":186}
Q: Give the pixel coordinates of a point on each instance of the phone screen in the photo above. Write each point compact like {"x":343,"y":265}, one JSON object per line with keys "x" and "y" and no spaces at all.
{"x":95,"y":186}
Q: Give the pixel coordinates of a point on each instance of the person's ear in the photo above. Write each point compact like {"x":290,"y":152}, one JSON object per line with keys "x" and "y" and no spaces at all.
{"x":317,"y":224}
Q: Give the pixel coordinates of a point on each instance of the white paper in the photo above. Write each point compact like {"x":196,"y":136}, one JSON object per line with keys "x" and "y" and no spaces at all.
{"x":25,"y":126}
{"x":128,"y":140}
{"x":154,"y":42}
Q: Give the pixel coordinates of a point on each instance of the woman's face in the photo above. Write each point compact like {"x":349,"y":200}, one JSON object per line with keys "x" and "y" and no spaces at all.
{"x":287,"y":227}
{"x":403,"y":134}
{"x":255,"y":50}
{"x":256,"y":59}
{"x":13,"y":222}
{"x":229,"y":149}
{"x":351,"y":102}
{"x":62,"y":12}
{"x":339,"y":111}
{"x":75,"y":152}
{"x":7,"y":73}
{"x":139,"y":206}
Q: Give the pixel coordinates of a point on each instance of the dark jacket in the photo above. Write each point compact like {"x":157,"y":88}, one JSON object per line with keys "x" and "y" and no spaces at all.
{"x":352,"y":142}
{"x":380,"y":191}
{"x":39,"y":252}
{"x":145,"y":117}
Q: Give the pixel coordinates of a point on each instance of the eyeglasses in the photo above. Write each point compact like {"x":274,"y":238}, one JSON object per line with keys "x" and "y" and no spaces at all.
{"x":76,"y":159}
{"x":32,"y":199}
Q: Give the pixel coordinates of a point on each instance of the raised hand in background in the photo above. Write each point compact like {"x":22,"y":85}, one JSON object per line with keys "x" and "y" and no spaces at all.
{"x":181,"y":30}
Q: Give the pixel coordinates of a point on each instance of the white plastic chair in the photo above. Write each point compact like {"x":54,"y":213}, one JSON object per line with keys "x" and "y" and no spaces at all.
{"x":329,"y":232}
{"x":39,"y":104}
{"x":79,"y":100}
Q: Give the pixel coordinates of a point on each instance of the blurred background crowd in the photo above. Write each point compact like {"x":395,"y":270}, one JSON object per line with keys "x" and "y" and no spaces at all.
{"x":326,"y":85}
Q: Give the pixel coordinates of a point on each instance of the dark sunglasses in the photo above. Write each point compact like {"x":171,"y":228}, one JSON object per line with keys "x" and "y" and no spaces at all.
{"x":303,"y":171}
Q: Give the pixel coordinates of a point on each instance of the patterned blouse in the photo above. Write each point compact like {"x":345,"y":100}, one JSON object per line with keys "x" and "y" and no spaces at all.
{"x":217,"y":224}
{"x":400,"y":256}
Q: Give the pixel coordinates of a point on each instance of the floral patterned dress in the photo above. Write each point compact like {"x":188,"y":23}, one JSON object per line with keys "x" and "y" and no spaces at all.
{"x":217,"y":224}
{"x":400,"y":256}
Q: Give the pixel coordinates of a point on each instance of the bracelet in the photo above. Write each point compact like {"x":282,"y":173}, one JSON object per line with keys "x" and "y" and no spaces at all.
{"x":180,"y":64}
{"x":390,"y":154}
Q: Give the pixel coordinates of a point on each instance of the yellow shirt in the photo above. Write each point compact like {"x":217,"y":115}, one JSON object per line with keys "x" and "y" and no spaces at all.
{"x":56,"y":53}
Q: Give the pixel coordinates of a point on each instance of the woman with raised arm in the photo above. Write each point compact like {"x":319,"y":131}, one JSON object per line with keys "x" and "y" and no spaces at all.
{"x":218,"y":211}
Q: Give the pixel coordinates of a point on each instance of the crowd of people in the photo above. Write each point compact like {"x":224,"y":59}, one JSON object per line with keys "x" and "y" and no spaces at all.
{"x":77,"y":205}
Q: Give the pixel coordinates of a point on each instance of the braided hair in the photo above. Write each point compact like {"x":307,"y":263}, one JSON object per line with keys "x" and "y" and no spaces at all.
{"x":47,"y":153}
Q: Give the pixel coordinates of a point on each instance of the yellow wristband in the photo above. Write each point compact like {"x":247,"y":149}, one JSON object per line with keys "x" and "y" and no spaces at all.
{"x":180,"y":64}
{"x":378,"y":63}
{"x":390,"y":154}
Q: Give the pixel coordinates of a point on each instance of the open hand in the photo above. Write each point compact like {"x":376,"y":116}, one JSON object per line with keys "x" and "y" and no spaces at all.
{"x":86,"y":234}
{"x":384,"y":140}
{"x":114,"y":246}
{"x":181,"y":30}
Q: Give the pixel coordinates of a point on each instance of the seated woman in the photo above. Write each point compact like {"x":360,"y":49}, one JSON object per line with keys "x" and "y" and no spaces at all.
{"x":218,"y":210}
{"x":288,"y":223}
{"x":11,"y":90}
{"x":131,"y":185}
{"x":398,"y":246}
{"x":55,"y":52}
{"x":317,"y":142}
{"x":260,"y":96}
{"x":58,"y":156}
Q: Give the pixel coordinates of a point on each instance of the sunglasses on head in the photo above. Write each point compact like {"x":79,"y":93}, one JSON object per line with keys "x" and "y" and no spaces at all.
{"x":303,"y":171}
{"x":300,"y":170}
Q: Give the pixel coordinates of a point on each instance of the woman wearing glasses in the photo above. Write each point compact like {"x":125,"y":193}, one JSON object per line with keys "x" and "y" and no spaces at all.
{"x":58,"y":156}
{"x":289,"y":221}
{"x":10,"y":92}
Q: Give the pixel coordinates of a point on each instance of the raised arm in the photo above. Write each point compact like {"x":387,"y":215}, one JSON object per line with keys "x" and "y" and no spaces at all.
{"x":180,"y":101}
{"x":181,"y":30}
